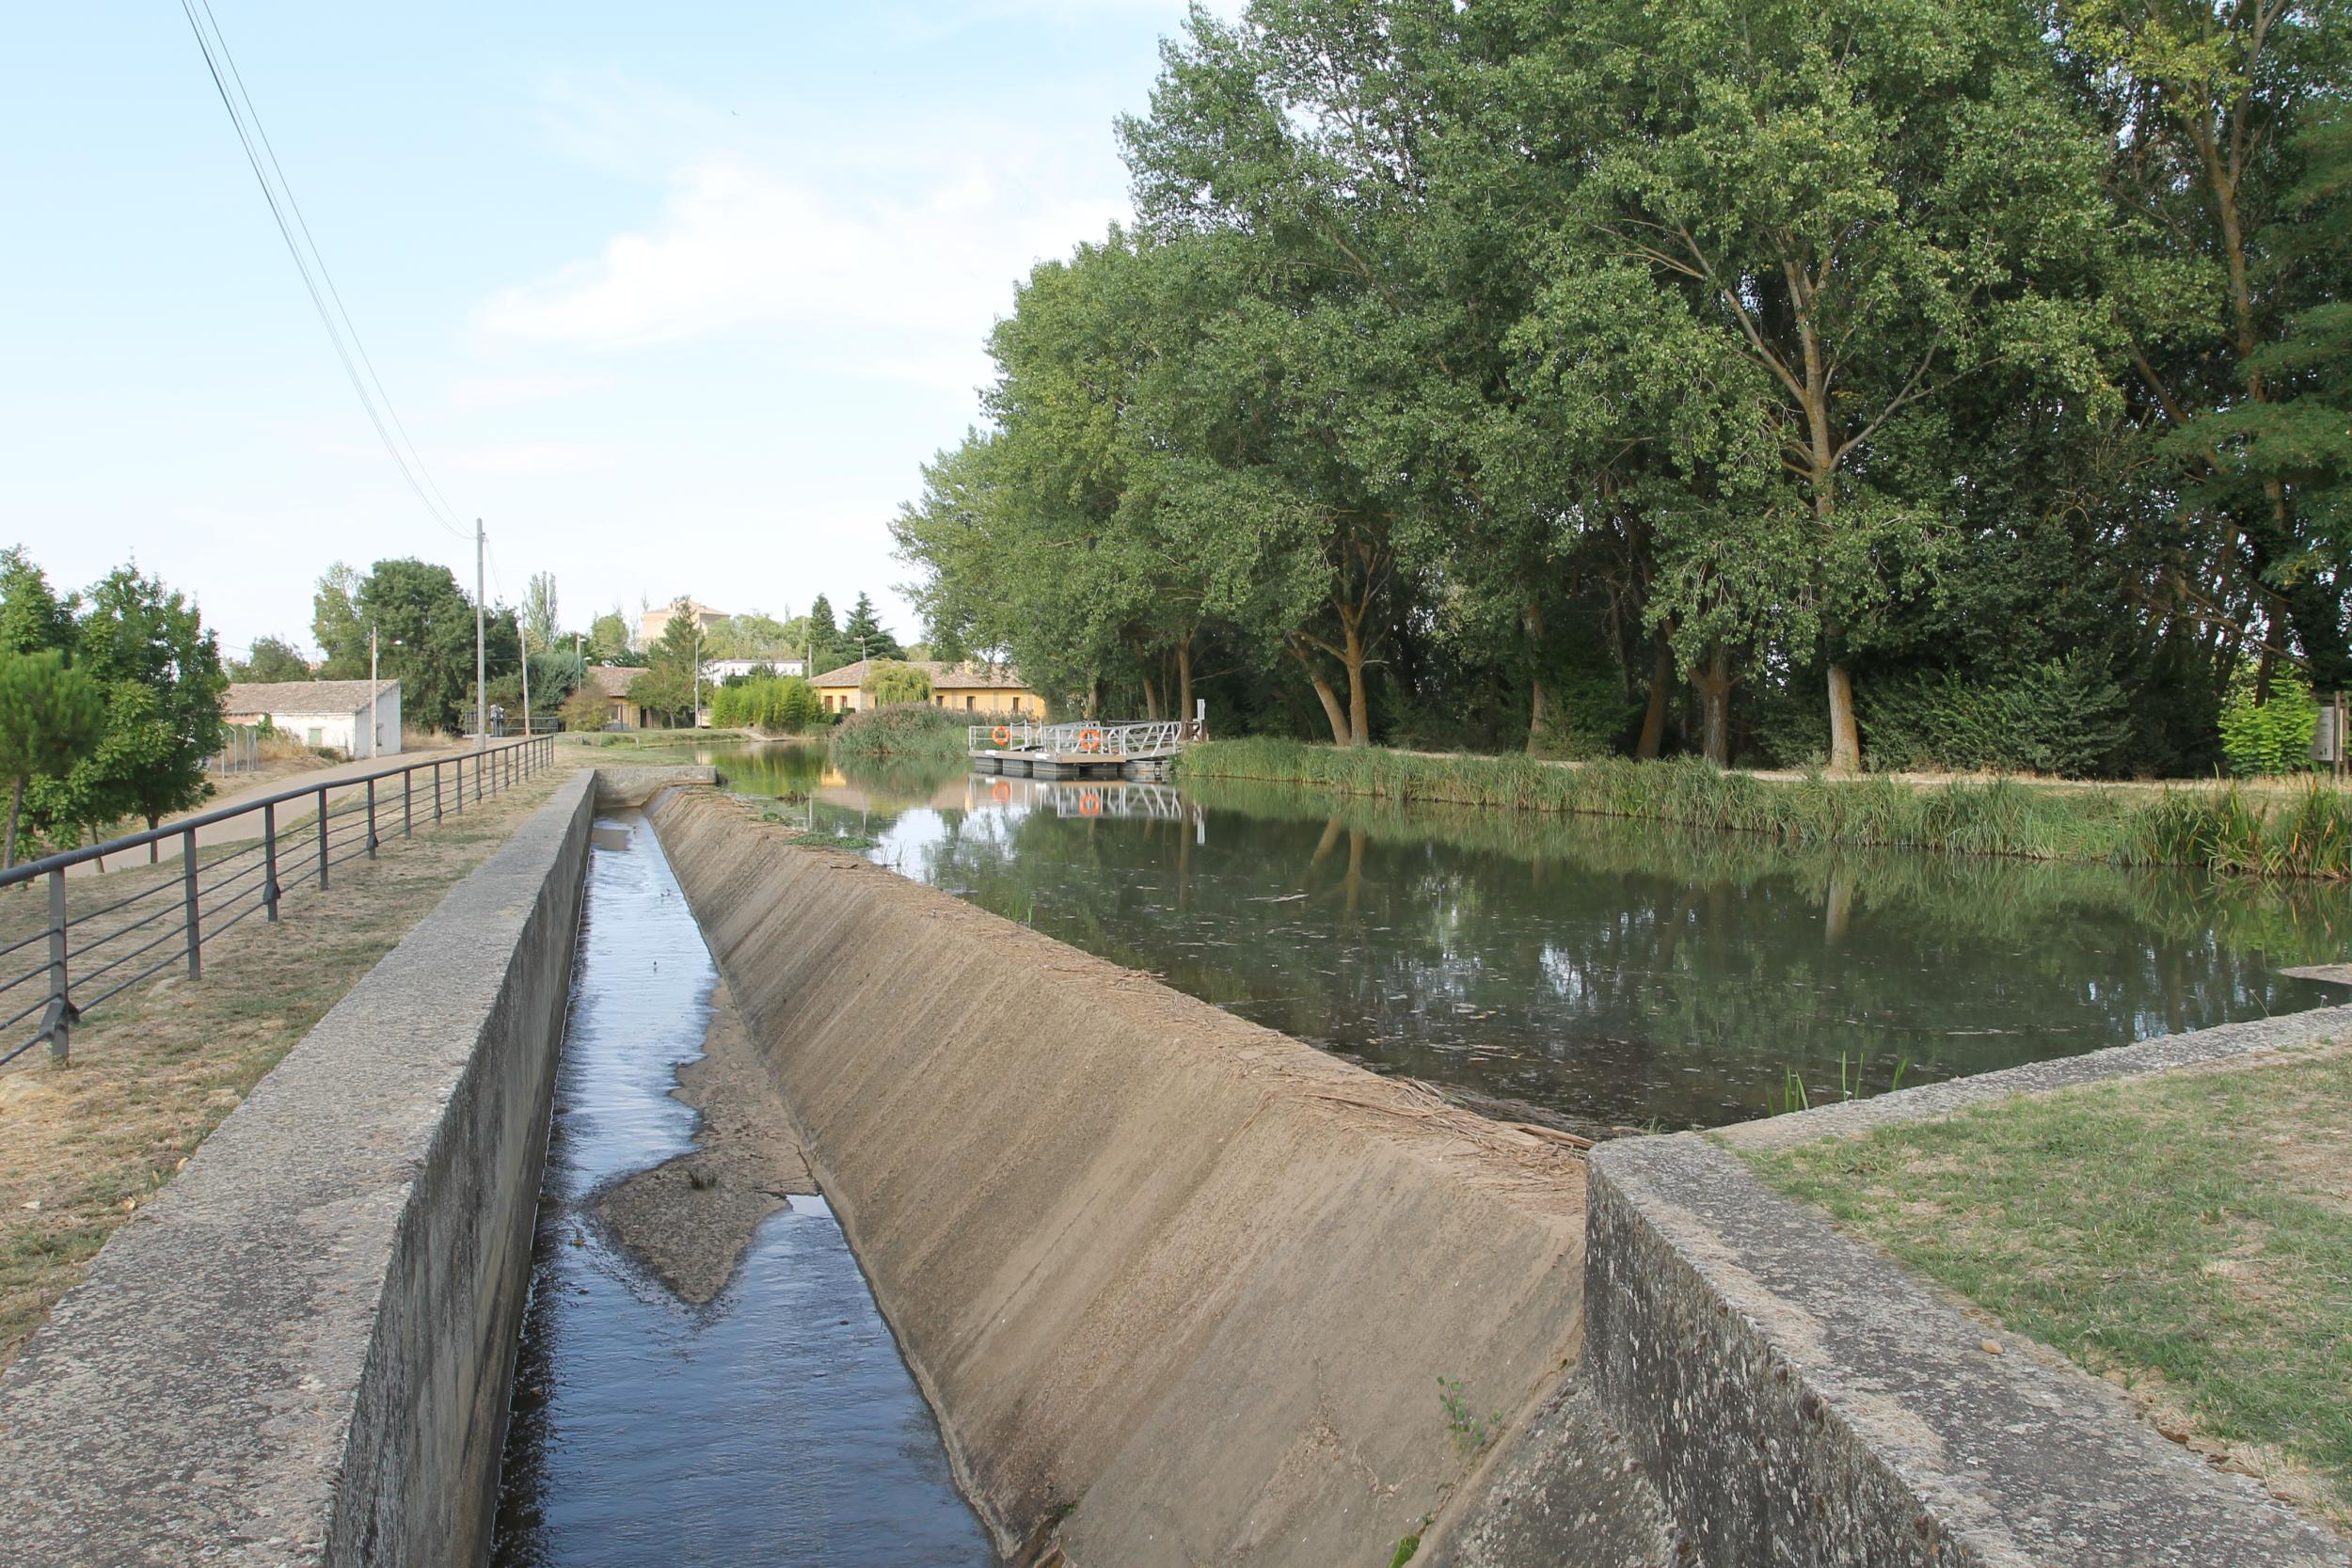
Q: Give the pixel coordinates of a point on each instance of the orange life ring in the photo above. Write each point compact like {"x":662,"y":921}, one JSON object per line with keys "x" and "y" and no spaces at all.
{"x":1089,"y":740}
{"x":1090,"y":804}
{"x":1000,"y":734}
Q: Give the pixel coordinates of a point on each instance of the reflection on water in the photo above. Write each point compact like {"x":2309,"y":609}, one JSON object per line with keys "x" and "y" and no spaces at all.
{"x":1624,"y":972}
{"x":777,"y":1424}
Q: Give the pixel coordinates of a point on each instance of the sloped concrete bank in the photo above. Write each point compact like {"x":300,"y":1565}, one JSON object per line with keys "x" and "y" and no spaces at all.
{"x":1180,"y":1290}
{"x":299,"y":1353}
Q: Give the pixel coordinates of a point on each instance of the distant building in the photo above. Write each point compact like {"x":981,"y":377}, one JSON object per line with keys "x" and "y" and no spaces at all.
{"x":653,"y":623}
{"x":969,"y":687}
{"x":322,"y":713}
{"x":612,"y":685}
{"x":721,"y":669}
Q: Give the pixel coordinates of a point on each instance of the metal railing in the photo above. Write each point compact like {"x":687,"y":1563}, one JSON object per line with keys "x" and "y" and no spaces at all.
{"x":1086,"y":736}
{"x":220,"y":885}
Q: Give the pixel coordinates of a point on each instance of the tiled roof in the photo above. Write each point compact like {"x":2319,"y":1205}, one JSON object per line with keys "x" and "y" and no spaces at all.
{"x":302,"y":696}
{"x":612,"y":681}
{"x":944,"y":676}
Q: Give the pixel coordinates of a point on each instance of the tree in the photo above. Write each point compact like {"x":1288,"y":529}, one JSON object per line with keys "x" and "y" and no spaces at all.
{"x":865,"y":632}
{"x":539,"y":617}
{"x":424,"y":627}
{"x":336,"y":623}
{"x":608,"y":639}
{"x":270,"y":658}
{"x":50,"y":716}
{"x":585,"y":709}
{"x":889,"y":680}
{"x":751,"y":634}
{"x":824,"y":640}
{"x":32,"y":617}
{"x":146,"y":650}
{"x":674,"y":670}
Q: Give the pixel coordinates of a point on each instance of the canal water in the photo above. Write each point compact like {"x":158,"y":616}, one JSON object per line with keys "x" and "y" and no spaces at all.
{"x":776,"y":1426}
{"x":1617,"y":973}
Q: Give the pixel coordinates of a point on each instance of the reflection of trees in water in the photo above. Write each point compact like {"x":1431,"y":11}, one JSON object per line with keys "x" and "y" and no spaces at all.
{"x":1626,"y":972}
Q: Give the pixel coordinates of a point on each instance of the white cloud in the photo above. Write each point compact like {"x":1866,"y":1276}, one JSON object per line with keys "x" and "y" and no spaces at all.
{"x":888,"y":271}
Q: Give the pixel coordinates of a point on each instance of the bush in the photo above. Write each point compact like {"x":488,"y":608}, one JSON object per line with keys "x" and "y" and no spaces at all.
{"x":1588,"y":716}
{"x":584,"y":709}
{"x":2065,"y":717}
{"x":903,"y":729}
{"x":2260,"y":738}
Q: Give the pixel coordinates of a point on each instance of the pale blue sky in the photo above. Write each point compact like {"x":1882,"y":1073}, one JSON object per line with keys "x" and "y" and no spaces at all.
{"x":676,"y":298}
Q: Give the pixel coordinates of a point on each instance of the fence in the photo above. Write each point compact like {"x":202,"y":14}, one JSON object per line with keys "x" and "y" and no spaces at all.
{"x":213,"y":893}
{"x":1107,"y":738}
{"x":239,"y":750}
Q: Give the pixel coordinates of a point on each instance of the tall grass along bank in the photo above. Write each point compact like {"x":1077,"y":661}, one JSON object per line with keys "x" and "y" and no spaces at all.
{"x":901,"y":730}
{"x":2214,"y":829}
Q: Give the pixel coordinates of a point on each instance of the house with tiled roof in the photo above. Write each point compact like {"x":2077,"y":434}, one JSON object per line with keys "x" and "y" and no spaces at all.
{"x":361,"y":719}
{"x":969,"y":687}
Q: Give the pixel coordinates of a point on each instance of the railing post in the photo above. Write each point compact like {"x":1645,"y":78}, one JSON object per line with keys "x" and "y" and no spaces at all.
{"x":269,"y":859}
{"x":322,"y":836}
{"x":371,"y":817}
{"x":407,"y":820}
{"x":187,"y":880}
{"x":437,"y":791}
{"x":60,"y":1010}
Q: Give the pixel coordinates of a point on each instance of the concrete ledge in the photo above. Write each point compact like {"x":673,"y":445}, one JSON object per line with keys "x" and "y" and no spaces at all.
{"x":2167,"y":1052}
{"x":1798,"y":1399}
{"x":299,"y":1353}
{"x":620,"y":788}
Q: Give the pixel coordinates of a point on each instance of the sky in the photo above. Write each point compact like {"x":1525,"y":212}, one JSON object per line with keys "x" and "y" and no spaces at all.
{"x":677,"y":299}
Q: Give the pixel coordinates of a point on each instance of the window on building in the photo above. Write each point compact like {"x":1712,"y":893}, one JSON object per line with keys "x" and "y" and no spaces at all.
{"x":1016,"y":705}
{"x":967,"y":703}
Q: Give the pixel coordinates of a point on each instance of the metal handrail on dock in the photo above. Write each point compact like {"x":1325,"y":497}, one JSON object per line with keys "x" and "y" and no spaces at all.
{"x":1087,"y":738}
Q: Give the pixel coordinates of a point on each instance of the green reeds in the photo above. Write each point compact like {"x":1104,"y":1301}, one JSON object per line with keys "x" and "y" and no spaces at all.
{"x":2222,"y":829}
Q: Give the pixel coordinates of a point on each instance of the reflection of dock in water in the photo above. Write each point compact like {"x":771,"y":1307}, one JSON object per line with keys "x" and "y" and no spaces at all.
{"x":1120,"y":798}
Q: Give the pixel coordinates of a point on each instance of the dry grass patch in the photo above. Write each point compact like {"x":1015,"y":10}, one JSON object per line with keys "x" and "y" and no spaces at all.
{"x":82,"y":1145}
{"x":2188,"y":1237}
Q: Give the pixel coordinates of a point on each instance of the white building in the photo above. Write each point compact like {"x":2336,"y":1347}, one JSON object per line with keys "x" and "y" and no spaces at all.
{"x":323,"y":713}
{"x":721,"y":669}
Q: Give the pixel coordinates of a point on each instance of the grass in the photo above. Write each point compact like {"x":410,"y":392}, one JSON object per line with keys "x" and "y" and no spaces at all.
{"x":2302,"y":833}
{"x":2188,"y":1237}
{"x":84,"y":1146}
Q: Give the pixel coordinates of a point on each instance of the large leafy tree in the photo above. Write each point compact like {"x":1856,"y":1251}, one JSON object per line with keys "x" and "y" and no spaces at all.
{"x":145,"y":648}
{"x":270,"y":658}
{"x":32,"y":616}
{"x":424,"y":630}
{"x":674,"y":670}
{"x":337,"y":626}
{"x":50,"y":716}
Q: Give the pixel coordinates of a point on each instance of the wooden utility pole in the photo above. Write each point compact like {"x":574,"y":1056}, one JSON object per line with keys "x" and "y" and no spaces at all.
{"x":522,"y":642}
{"x":481,"y":662}
{"x":373,"y":722}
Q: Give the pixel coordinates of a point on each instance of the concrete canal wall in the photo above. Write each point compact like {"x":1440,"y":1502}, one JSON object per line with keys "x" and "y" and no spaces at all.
{"x":299,"y":1353}
{"x":1182,"y":1290}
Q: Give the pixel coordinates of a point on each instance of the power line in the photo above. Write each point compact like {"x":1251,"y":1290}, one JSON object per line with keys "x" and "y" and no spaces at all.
{"x":439,"y":513}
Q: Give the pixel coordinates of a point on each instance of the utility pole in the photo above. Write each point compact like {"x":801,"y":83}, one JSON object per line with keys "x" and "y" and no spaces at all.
{"x":373,"y":721}
{"x":522,"y":641}
{"x":697,"y":723}
{"x":480,"y":661}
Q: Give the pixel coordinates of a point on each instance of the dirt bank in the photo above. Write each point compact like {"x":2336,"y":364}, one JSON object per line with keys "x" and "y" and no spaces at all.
{"x":691,"y":1217}
{"x":1184,"y":1290}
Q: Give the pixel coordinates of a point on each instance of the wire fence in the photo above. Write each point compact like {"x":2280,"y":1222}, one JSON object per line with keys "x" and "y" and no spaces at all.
{"x":80,"y":959}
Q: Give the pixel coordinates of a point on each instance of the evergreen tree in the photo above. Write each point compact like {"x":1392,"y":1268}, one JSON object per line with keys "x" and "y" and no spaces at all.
{"x":864,"y":634}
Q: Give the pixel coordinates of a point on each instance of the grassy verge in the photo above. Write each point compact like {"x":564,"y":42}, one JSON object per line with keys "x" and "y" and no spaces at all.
{"x":2305,"y":832}
{"x":83,"y":1146}
{"x":2188,"y":1237}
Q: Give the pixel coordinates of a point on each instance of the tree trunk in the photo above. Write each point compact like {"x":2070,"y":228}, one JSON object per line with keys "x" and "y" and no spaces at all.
{"x":1714,"y":684}
{"x":1539,"y":703}
{"x":1844,"y":739}
{"x":1184,"y":679}
{"x":1333,"y":712}
{"x":1358,"y":700}
{"x":16,"y":812}
{"x":1661,"y":676}
{"x":1150,"y":700}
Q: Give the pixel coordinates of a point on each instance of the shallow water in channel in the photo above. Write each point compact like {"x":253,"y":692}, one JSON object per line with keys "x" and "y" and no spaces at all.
{"x":775,"y":1426}
{"x":1621,"y":972}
